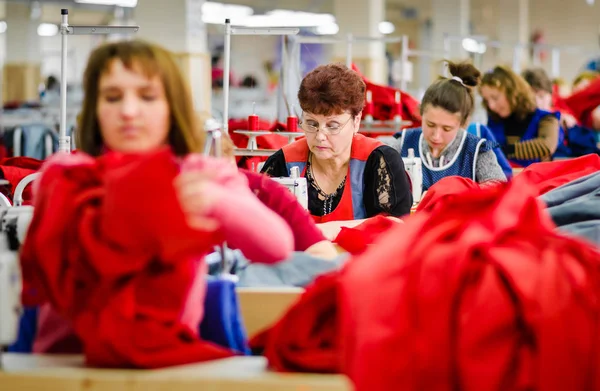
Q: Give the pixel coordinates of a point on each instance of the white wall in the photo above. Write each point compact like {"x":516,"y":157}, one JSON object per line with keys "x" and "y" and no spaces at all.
{"x":571,"y":23}
{"x":79,"y":48}
{"x":250,"y":52}
{"x":568,"y":23}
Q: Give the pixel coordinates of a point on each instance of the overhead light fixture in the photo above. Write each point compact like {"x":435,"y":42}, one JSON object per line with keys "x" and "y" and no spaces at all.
{"x":327,"y":29}
{"x":473,"y":46}
{"x":386,"y":27}
{"x":216,"y":13}
{"x":300,"y":18}
{"x":286,"y":18}
{"x":119,"y":3}
{"x":243,"y":16}
{"x":3,"y":26}
{"x":47,"y":29}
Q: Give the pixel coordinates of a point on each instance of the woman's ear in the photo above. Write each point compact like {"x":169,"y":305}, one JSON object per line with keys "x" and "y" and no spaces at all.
{"x":357,"y":119}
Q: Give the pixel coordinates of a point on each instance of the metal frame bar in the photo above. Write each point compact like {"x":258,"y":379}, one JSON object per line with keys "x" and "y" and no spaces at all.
{"x":64,"y":141}
{"x":229,"y":31}
{"x":518,"y":47}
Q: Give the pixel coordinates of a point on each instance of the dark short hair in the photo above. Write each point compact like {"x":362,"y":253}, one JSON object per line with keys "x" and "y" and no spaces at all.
{"x":538,"y":79}
{"x":332,"y":89}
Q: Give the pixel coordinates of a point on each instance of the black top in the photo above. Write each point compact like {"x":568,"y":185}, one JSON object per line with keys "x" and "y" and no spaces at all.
{"x":516,"y":127}
{"x":387,"y":189}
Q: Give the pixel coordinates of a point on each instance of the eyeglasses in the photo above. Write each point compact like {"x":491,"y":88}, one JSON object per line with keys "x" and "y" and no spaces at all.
{"x":312,"y":126}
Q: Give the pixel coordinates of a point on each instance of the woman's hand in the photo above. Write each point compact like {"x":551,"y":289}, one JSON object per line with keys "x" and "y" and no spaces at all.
{"x":195,"y":193}
{"x":199,"y":188}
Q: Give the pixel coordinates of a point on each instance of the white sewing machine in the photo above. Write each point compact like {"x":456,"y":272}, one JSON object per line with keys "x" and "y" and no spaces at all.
{"x":14,"y":222}
{"x":414,"y":168}
{"x":14,"y":226}
{"x":297,"y":185}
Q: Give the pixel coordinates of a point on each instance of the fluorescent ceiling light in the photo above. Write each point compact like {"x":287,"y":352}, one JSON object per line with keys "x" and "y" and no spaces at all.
{"x":473,"y":46}
{"x":297,"y":18}
{"x":47,"y":29}
{"x":243,"y":16}
{"x":327,"y":29}
{"x":3,"y":26}
{"x":216,"y":13}
{"x":386,"y":27}
{"x":120,"y":3}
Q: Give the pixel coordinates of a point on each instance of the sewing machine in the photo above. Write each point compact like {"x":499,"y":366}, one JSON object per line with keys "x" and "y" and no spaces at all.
{"x":14,"y":222}
{"x":413,"y":167}
{"x":297,"y":185}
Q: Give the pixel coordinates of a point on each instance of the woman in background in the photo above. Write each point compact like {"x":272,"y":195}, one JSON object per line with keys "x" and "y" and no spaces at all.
{"x":442,"y":143}
{"x":350,"y":177}
{"x":526,"y":133}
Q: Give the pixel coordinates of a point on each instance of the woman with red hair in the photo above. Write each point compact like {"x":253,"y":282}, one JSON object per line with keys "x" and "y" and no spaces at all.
{"x":350,"y":176}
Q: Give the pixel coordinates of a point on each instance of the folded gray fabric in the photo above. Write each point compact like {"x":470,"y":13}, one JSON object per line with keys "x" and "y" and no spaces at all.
{"x":585,"y":207}
{"x":299,"y":270}
{"x":575,"y":207}
{"x":572,"y":190}
{"x":589,"y":230}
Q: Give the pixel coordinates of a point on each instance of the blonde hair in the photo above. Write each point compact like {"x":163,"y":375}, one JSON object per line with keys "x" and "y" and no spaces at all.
{"x":519,"y":94}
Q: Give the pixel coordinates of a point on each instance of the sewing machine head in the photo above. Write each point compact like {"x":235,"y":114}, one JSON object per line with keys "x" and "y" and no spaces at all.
{"x":414,"y":168}
{"x":296,"y":185}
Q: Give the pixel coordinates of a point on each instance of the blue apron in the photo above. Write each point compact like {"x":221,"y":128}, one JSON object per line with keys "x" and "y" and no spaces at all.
{"x":497,"y":128}
{"x":462,"y":164}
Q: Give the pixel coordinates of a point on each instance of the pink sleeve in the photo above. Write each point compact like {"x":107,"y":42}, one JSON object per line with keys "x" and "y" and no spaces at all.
{"x":280,"y":200}
{"x":250,"y":226}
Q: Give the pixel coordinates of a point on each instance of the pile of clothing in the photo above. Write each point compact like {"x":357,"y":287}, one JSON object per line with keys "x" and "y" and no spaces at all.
{"x":478,"y":290}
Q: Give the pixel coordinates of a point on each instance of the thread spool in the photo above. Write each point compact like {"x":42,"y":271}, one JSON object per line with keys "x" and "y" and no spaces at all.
{"x":253,"y":122}
{"x":292,"y":123}
{"x":253,"y":118}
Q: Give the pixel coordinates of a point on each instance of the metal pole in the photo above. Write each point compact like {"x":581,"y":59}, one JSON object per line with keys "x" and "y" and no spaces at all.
{"x":517,"y":59}
{"x":555,"y":62}
{"x":283,"y":81}
{"x":404,"y":62}
{"x":64,"y":142}
{"x":447,"y":46}
{"x":349,"y":51}
{"x":227,"y":61}
{"x":537,"y":61}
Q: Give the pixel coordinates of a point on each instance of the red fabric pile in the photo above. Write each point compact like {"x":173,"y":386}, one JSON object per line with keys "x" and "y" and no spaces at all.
{"x":559,"y":103}
{"x":105,"y":245}
{"x":14,"y":170}
{"x":446,"y":189}
{"x":306,"y":339}
{"x":543,"y":176}
{"x":481,"y":294}
{"x":384,"y":99}
{"x":584,"y":102}
{"x":478,"y":293}
{"x":550,"y":175}
{"x":357,"y":239}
